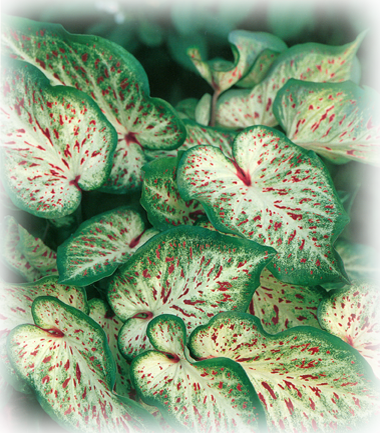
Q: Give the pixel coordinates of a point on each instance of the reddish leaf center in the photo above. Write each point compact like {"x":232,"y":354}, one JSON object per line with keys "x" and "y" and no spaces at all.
{"x":55,"y":332}
{"x":131,"y":138}
{"x":173,"y":357}
{"x":135,"y":241}
{"x":147,"y":315}
{"x":244,"y":176}
{"x":75,"y":182}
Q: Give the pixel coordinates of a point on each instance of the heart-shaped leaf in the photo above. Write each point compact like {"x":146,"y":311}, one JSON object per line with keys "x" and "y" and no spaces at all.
{"x":307,"y":379}
{"x":15,"y":309}
{"x":190,"y":272}
{"x":26,"y":254}
{"x":113,"y":78}
{"x":272,"y":192}
{"x":340,"y":121}
{"x":352,"y":314}
{"x":55,"y":143}
{"x":208,"y":396}
{"x":100,"y":245}
{"x":66,"y":360}
{"x":281,"y":306}
{"x":111,"y":324}
{"x":307,"y":62}
{"x":161,"y":199}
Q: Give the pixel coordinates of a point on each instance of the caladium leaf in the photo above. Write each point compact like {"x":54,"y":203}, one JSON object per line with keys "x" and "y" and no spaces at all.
{"x":186,"y":108}
{"x":190,"y":272}
{"x":203,"y":109}
{"x":352,"y":314}
{"x":197,"y":135}
{"x":15,"y":309}
{"x":245,"y":46}
{"x":111,"y":324}
{"x":26,"y":254}
{"x":65,"y":358}
{"x":5,"y":392}
{"x":272,"y":192}
{"x":308,"y":62}
{"x":55,"y":142}
{"x":208,"y":396}
{"x":281,"y":306}
{"x":161,"y":199}
{"x":340,"y":121}
{"x":113,"y":78}
{"x":100,"y":245}
{"x":259,"y":69}
{"x":307,"y":379}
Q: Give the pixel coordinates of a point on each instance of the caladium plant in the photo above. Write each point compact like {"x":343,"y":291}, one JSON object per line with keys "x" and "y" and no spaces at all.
{"x":190,"y":263}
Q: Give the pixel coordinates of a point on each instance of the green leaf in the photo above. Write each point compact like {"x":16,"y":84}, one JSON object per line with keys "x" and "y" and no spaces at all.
{"x":352,"y":314}
{"x":15,"y":309}
{"x":213,"y":395}
{"x":190,"y":272}
{"x":100,"y":245}
{"x":308,"y":62}
{"x":186,"y":108}
{"x":56,"y":142}
{"x":281,"y":306}
{"x":274,"y":193}
{"x":296,"y":16}
{"x":113,"y":78}
{"x":203,"y":109}
{"x":307,"y":379}
{"x":340,"y":121}
{"x":25,"y":254}
{"x":66,"y":360}
{"x":161,"y":199}
{"x":111,"y":324}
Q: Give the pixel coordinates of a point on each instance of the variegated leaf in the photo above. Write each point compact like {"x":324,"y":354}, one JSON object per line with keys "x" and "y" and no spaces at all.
{"x":274,"y":193}
{"x":113,"y":78}
{"x":307,"y":62}
{"x":281,"y":306}
{"x":307,"y":379}
{"x":65,"y":358}
{"x":352,"y":314}
{"x":208,"y":396}
{"x":203,"y":110}
{"x":340,"y":121}
{"x":25,"y":254}
{"x":15,"y":309}
{"x":198,"y":135}
{"x":5,"y":393}
{"x":55,"y":142}
{"x":100,"y":245}
{"x":161,"y":199}
{"x":111,"y":324}
{"x":245,"y":45}
{"x":190,"y":272}
{"x":259,"y":69}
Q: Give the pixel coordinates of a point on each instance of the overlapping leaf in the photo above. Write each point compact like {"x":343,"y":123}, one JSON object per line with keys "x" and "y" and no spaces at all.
{"x":272,"y":192}
{"x":66,"y":360}
{"x":55,"y":142}
{"x":208,"y":396}
{"x":111,"y":324}
{"x":113,"y":78}
{"x":161,"y":199}
{"x":15,"y":309}
{"x":100,"y":245}
{"x":26,"y":254}
{"x":340,"y":121}
{"x":222,"y":74}
{"x":352,"y":314}
{"x":190,"y":272}
{"x":307,"y":62}
{"x":307,"y":379}
{"x":281,"y":306}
